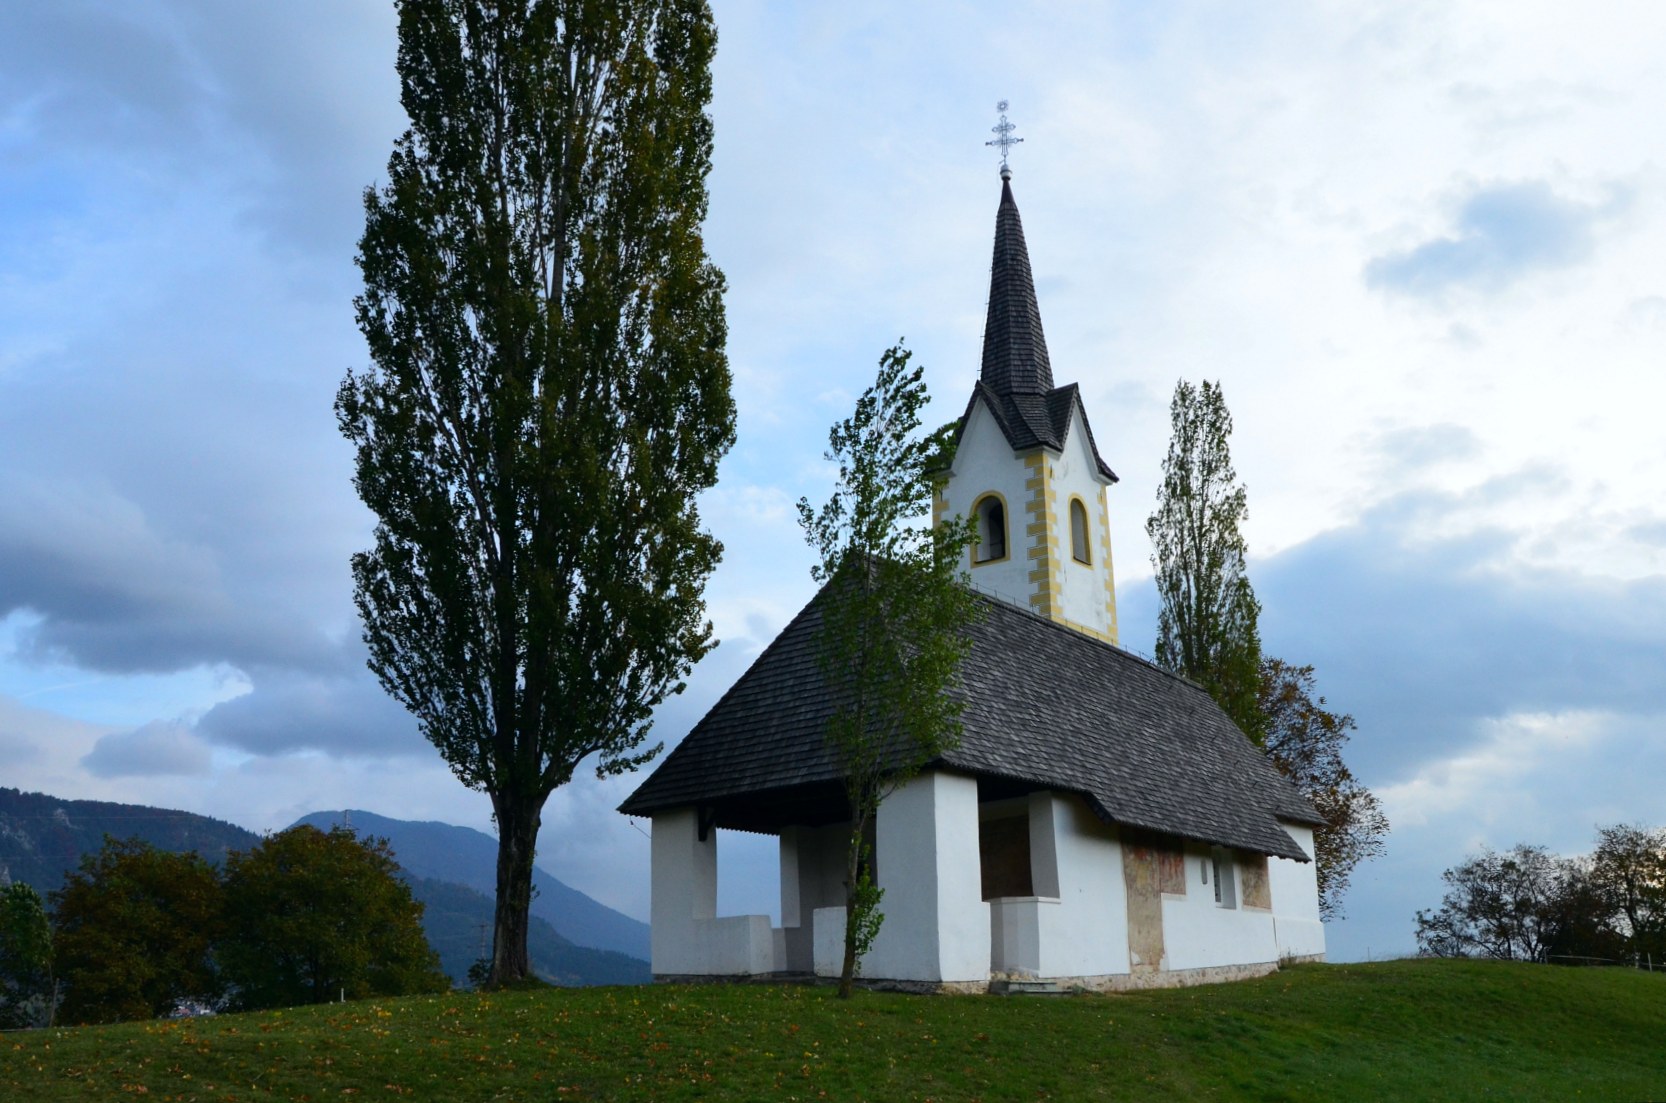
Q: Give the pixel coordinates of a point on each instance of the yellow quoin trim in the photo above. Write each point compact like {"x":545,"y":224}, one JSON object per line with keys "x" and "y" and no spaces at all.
{"x":939,"y":499}
{"x":1105,"y":563}
{"x":1046,"y":566}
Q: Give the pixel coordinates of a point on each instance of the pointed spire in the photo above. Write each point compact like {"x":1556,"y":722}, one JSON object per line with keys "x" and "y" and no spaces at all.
{"x":1014,"y":349}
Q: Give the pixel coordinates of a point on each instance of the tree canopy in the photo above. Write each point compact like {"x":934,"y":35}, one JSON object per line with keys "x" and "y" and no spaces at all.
{"x":894,"y":614}
{"x":1529,"y":904}
{"x":27,"y":992}
{"x":134,"y":931}
{"x":1207,"y":618}
{"x":1304,"y":739}
{"x":549,"y":395}
{"x":311,"y":916}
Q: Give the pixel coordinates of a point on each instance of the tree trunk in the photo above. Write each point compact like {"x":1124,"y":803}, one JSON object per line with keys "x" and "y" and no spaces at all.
{"x":853,"y":870}
{"x":518,"y":819}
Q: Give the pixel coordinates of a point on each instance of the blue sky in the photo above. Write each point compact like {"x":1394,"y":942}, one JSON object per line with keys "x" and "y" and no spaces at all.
{"x":1418,"y":244}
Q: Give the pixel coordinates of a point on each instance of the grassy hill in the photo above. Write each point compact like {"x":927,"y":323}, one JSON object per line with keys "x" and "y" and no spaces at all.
{"x":1396,"y":1030}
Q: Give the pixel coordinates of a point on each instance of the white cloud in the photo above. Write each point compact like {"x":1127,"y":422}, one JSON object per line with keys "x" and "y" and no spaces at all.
{"x":1455,"y":504}
{"x":1484,"y":782}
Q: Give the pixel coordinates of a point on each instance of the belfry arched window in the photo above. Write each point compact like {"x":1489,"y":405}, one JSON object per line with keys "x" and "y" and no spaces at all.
{"x":1079,"y":532}
{"x":991,"y":517}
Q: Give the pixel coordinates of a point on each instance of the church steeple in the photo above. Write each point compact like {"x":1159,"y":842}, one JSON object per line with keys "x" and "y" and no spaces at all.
{"x":1026,"y":470}
{"x":1014,"y":349}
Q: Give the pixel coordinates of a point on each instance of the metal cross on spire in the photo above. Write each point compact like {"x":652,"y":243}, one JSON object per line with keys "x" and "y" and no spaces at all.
{"x":1003,"y":138}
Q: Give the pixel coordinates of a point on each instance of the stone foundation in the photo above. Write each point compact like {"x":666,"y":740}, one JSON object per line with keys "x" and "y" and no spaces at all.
{"x":1114,"y":982}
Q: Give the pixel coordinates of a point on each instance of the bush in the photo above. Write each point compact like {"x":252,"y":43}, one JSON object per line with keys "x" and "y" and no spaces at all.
{"x":311,"y":916}
{"x":134,"y":931}
{"x":26,"y":989}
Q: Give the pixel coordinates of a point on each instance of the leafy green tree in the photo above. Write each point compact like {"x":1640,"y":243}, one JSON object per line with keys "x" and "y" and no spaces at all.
{"x":27,"y":991}
{"x":1504,"y":906}
{"x":1580,"y":922}
{"x":1207,"y":621}
{"x":1304,"y":739}
{"x":549,"y":395}
{"x":311,"y":916}
{"x":894,"y":615}
{"x":133,"y":933}
{"x":1629,"y":869}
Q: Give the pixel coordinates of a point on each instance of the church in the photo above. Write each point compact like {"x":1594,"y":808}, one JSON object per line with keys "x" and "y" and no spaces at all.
{"x":1101,"y":824}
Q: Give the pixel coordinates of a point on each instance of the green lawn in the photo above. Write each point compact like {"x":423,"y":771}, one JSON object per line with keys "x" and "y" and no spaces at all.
{"x":1396,"y":1030}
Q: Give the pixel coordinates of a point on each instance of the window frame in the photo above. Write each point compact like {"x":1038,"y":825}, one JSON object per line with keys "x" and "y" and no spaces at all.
{"x":1086,"y":556}
{"x":995,"y":498}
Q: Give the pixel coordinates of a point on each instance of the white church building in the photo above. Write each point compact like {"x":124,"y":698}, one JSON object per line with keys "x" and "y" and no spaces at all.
{"x":1101,"y":823}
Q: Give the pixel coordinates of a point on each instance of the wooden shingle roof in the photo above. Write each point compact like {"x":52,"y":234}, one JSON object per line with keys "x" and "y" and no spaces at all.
{"x":1045,"y":707}
{"x":1014,"y":348}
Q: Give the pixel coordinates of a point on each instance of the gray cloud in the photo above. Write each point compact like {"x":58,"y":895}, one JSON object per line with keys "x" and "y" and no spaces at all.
{"x":302,"y":96}
{"x":1424,"y":445}
{"x":113,"y":593}
{"x":342,"y":714}
{"x":1420,"y":638}
{"x":1502,"y":233}
{"x":1438,"y":650}
{"x":158,"y":749}
{"x":97,"y":77}
{"x":1652,"y":533}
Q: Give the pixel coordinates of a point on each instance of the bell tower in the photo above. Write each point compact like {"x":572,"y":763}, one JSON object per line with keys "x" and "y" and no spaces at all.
{"x":1026,"y":467}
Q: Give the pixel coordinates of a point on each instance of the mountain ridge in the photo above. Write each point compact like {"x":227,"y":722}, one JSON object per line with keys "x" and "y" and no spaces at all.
{"x":464,"y":856}
{"x":42,"y":839}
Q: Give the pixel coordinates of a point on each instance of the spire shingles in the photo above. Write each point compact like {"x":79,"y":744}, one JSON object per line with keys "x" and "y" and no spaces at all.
{"x":1014,"y":349}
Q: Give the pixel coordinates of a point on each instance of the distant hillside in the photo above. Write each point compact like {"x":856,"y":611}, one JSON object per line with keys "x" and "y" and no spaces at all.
{"x":42,"y":838}
{"x":458,"y":922}
{"x":464,"y":856}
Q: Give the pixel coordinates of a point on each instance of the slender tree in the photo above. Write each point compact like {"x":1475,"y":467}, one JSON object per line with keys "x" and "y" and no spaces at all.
{"x":1206,"y":624}
{"x":1304,"y":739}
{"x":894,"y":615}
{"x":549,"y":395}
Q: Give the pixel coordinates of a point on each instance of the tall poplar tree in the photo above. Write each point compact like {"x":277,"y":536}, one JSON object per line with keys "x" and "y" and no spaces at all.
{"x":894,"y":616}
{"x":549,"y":394}
{"x":1206,"y":624}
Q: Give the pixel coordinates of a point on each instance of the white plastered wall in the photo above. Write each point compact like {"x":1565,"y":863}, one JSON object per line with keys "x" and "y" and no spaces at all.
{"x":1200,"y":934}
{"x":812,"y":877}
{"x":1086,"y":934}
{"x":1075,"y":924}
{"x":936,"y":924}
{"x":1085,"y":599}
{"x":686,"y":937}
{"x":1295,"y":891}
{"x":983,"y":463}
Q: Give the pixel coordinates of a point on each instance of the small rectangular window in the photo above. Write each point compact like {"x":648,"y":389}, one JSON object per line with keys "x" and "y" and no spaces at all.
{"x":1220,"y":861}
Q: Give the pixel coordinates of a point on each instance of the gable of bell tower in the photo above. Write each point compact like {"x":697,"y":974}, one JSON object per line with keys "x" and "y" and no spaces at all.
{"x":1026,"y":468}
